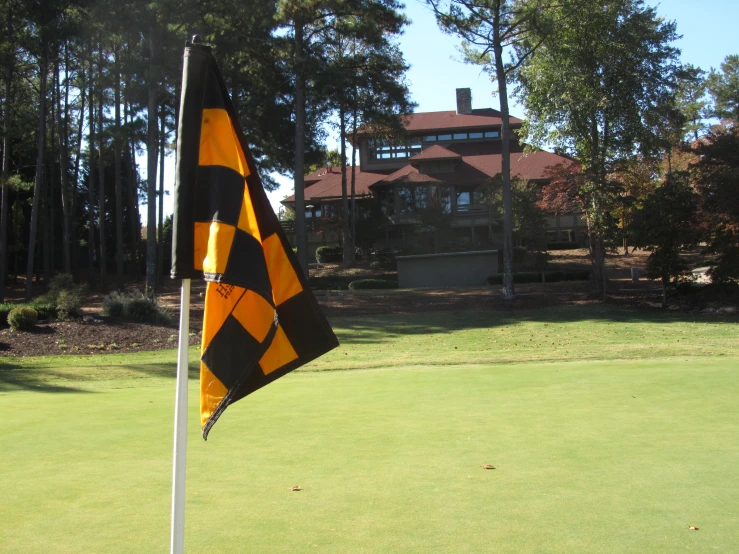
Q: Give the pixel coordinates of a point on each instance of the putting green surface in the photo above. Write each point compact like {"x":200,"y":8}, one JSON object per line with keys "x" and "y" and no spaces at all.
{"x":590,"y":455}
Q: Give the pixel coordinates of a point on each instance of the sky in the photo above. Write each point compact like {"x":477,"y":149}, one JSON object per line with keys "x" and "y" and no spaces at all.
{"x":708,"y":29}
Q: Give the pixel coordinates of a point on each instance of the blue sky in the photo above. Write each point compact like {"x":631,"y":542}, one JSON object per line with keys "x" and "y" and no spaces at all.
{"x":708,"y":29}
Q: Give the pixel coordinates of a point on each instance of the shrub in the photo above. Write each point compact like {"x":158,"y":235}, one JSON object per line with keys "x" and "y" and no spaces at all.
{"x":44,"y":307}
{"x":135,"y":306}
{"x":527,"y":277}
{"x":64,"y":296}
{"x":140,"y":309}
{"x":562,"y":245}
{"x":535,"y":277}
{"x":113,"y":304}
{"x":327,"y":254}
{"x":68,"y":303}
{"x":386,"y":262}
{"x":22,"y":319}
{"x":5,"y":309}
{"x":372,"y":284}
{"x":554,"y":276}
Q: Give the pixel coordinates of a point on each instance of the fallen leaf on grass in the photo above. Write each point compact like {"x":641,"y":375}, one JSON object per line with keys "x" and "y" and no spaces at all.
{"x":487,"y":466}
{"x":296,"y":488}
{"x":692,"y":528}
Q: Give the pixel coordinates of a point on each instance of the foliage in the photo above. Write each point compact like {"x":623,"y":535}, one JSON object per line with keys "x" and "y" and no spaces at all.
{"x":433,"y":222}
{"x":620,"y":69}
{"x":716,"y":176}
{"x":545,"y":276}
{"x":22,"y":319}
{"x":328,"y":254}
{"x":562,"y":245}
{"x":386,"y":261}
{"x":370,"y":225}
{"x":723,"y":86}
{"x":135,"y":306}
{"x":65,"y":295}
{"x":373,"y":284}
{"x":44,"y":308}
{"x":665,"y":226}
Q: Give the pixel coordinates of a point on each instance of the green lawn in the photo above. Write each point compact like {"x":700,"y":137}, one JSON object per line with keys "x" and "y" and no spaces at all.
{"x":615,"y":438}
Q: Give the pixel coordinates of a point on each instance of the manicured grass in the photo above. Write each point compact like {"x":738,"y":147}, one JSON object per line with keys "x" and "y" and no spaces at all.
{"x":599,"y":453}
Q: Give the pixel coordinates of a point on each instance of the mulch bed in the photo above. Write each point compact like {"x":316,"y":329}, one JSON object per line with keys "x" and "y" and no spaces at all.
{"x":92,"y":337}
{"x":102,"y":334}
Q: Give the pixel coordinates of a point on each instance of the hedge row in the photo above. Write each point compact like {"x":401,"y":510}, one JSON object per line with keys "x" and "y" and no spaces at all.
{"x":373,"y":284}
{"x":327,"y":254}
{"x":562,"y":245}
{"x":45,"y":310}
{"x":536,"y":277}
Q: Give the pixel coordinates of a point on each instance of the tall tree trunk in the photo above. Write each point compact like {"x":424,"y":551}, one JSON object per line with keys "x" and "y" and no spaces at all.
{"x":91,"y":180}
{"x":595,"y":219}
{"x":63,"y":133}
{"x":300,"y":231}
{"x":101,"y":173}
{"x":133,"y":185}
{"x":505,"y":137}
{"x":354,"y":174}
{"x":75,"y":186}
{"x":48,"y":199}
{"x":160,"y":215}
{"x":118,"y":168}
{"x":39,"y":179}
{"x":347,"y":258}
{"x":151,"y":173}
{"x":9,"y":62}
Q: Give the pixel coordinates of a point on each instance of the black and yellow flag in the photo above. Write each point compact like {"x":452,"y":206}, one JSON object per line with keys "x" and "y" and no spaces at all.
{"x":261,"y":319}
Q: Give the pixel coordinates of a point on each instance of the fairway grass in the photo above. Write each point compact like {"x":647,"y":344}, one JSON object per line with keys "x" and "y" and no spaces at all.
{"x":617,"y":449}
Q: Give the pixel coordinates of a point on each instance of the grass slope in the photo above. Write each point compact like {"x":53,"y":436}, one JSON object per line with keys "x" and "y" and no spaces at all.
{"x":591,"y":456}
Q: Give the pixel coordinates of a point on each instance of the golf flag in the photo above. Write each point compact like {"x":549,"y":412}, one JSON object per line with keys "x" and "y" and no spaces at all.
{"x":261,"y":320}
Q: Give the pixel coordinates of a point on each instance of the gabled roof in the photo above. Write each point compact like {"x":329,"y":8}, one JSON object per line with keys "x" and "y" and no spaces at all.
{"x":446,"y":121}
{"x":327,"y":184}
{"x":320,"y":174}
{"x":437,"y":121}
{"x":436,"y":152}
{"x":480,"y":162}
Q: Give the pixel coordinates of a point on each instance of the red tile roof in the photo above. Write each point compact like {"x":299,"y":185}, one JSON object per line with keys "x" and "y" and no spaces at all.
{"x":446,"y":121}
{"x":327,"y":184}
{"x":481,"y":162}
{"x":436,"y":152}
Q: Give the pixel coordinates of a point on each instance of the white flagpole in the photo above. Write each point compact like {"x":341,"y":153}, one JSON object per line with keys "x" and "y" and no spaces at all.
{"x":177,"y":542}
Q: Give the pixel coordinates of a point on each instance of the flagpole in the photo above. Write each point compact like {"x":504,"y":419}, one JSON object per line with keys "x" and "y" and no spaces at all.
{"x":177,"y":538}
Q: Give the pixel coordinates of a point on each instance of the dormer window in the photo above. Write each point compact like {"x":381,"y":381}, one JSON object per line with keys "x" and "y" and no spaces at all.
{"x":384,"y":150}
{"x":475,"y":135}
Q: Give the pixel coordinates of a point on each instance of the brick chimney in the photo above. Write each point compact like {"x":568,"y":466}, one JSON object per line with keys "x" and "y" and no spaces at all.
{"x":464,"y":101}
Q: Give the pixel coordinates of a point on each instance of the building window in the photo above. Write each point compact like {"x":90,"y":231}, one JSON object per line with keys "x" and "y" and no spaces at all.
{"x":330,"y":210}
{"x":411,"y":199}
{"x":445,"y":198}
{"x":386,"y":197}
{"x":477,"y":135}
{"x":388,"y":150}
{"x":463,"y":200}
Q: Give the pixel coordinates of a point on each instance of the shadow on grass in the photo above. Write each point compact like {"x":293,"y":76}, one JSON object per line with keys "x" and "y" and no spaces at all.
{"x":15,"y":377}
{"x":375,"y":329}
